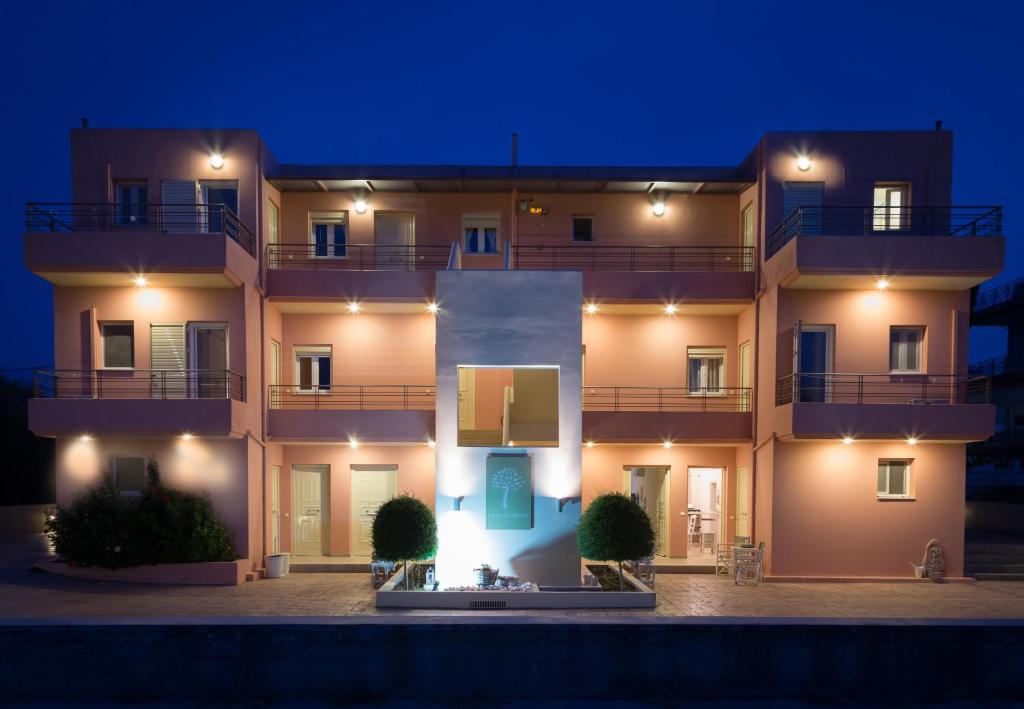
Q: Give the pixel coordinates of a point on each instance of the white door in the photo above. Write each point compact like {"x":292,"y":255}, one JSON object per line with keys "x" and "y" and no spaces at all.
{"x":393,"y":234}
{"x":745,"y":390}
{"x":275,"y":509}
{"x":467,"y":401}
{"x":742,"y":502}
{"x":167,"y":360}
{"x":208,"y":358}
{"x":309,"y":512}
{"x":372,"y":486}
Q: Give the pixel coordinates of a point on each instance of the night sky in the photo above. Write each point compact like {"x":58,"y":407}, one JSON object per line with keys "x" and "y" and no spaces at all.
{"x":670,"y":83}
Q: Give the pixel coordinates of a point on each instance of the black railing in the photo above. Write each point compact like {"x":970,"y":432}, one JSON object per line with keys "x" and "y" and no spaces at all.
{"x":160,"y":218}
{"x":358,"y":257}
{"x":886,"y":221}
{"x":353,"y":397}
{"x":999,"y":294}
{"x":921,"y":389}
{"x":994,"y":366}
{"x":138,"y":384}
{"x":666,"y":399}
{"x":590,"y":257}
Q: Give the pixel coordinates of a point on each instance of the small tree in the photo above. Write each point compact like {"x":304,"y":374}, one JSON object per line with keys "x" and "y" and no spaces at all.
{"x":614,"y":528}
{"x":404,"y":530}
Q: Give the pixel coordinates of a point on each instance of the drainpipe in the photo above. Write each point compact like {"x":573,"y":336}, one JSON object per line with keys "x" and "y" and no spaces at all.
{"x":263,"y":385}
{"x":757,"y":338}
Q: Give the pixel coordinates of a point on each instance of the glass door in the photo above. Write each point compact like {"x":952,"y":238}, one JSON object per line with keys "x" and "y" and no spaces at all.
{"x":208,"y":347}
{"x":814,"y":362}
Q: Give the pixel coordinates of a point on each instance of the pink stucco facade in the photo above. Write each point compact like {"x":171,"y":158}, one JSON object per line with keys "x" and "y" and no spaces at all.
{"x":688,"y":351}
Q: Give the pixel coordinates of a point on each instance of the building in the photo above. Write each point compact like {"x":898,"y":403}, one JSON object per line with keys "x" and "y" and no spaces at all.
{"x":998,"y":460}
{"x":775,"y":349}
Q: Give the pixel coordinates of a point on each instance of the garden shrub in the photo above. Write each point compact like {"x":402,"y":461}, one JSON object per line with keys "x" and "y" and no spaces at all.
{"x":614,"y":528}
{"x":404,"y":529}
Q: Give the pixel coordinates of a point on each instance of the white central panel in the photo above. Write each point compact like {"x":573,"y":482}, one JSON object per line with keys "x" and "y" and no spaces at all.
{"x":509,"y":319}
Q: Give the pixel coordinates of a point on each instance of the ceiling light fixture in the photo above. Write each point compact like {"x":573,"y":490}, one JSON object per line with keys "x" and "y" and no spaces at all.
{"x":361,"y":206}
{"x":658,"y":209}
{"x":216,"y":161}
{"x":671,"y":309}
{"x":803,"y":163}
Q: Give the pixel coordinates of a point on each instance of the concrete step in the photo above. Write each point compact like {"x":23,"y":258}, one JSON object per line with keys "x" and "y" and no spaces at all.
{"x":996,"y":577}
{"x":972,"y":569}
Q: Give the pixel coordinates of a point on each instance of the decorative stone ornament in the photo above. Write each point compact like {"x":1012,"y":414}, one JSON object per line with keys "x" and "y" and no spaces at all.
{"x":935,"y":561}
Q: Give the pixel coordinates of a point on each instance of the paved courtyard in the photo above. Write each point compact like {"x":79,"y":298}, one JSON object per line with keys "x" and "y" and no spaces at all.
{"x":25,"y":593}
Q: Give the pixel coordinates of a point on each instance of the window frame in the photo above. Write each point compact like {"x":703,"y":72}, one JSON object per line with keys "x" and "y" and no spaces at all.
{"x":103,"y":344}
{"x":902,"y":211}
{"x":920,"y":330}
{"x":114,"y":457}
{"x":314,"y":352}
{"x":143,"y":215}
{"x":593,"y":228}
{"x":329,"y":219}
{"x":887,"y":494}
{"x":482,"y":222}
{"x":706,"y":353}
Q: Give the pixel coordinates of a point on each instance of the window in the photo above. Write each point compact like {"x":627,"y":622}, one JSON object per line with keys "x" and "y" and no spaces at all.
{"x":312,"y":369}
{"x":480,"y":234}
{"x":905,"y":349}
{"x":118,"y":344}
{"x":582,"y":228}
{"x":329,"y":234}
{"x":891,"y":207}
{"x":273,"y":222}
{"x":894,"y":478}
{"x":128,"y":473}
{"x":132,"y":200}
{"x":748,"y":226}
{"x":507,"y":406}
{"x":706,"y":371}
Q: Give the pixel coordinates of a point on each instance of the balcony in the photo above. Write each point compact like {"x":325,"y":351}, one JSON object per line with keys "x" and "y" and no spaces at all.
{"x":936,"y":248}
{"x":137,"y":402}
{"x":326,"y":271}
{"x":368,"y":413}
{"x":1000,"y":305}
{"x":998,"y":366}
{"x":76,"y":244}
{"x":656,"y":414}
{"x":650,"y":273}
{"x":884,"y":406}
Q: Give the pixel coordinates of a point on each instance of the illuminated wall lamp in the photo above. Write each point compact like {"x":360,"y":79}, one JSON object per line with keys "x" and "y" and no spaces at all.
{"x":361,"y":206}
{"x":803,"y":163}
{"x":563,"y":501}
{"x":216,"y":161}
{"x":658,"y":209}
{"x":457,"y":503}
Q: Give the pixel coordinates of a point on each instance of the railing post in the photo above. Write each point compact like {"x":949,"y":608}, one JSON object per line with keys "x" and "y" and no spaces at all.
{"x":860,"y":389}
{"x":615,"y":398}
{"x":405,"y":396}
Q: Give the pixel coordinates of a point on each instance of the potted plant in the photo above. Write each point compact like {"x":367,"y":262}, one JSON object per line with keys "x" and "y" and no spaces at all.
{"x":404,"y":529}
{"x":614,"y":528}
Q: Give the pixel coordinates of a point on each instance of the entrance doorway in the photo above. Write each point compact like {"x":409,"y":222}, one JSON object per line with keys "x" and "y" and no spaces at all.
{"x":743,"y":502}
{"x":703,"y":511}
{"x":394,"y":235}
{"x":372,"y":486}
{"x":312,"y":523}
{"x":275,"y":509}
{"x":649,"y":488}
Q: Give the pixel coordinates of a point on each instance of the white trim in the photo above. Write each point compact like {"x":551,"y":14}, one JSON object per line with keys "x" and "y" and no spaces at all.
{"x":314,"y":352}
{"x":920,"y":330}
{"x":481,"y":221}
{"x":706,"y":353}
{"x":329,"y":219}
{"x":906,"y":494}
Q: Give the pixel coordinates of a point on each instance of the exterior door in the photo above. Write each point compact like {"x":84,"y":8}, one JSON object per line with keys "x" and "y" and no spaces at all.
{"x":275,"y":509}
{"x":167,"y":360}
{"x":372,"y":486}
{"x":310,"y":531}
{"x":393,"y":235}
{"x":745,"y":389}
{"x":467,"y":399}
{"x":649,"y":488}
{"x":742,"y":502}
{"x":814,"y":362}
{"x":208,"y":347}
{"x":808,"y":196}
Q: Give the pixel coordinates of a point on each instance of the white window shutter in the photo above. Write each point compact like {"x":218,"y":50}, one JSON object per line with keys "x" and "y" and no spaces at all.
{"x":179,"y":198}
{"x":167,"y":359}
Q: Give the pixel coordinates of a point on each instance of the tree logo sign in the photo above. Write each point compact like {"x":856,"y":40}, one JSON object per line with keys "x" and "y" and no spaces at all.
{"x":509,"y":492}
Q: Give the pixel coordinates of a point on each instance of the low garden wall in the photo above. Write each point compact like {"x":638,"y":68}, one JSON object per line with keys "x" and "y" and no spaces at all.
{"x":210,"y":573}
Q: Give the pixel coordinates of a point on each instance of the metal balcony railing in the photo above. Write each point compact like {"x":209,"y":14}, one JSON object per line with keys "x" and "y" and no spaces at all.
{"x":590,"y":257}
{"x":994,"y":366}
{"x":358,"y":257}
{"x":160,"y":218}
{"x":1000,"y":294}
{"x":354,"y":397}
{"x":886,"y":221}
{"x":919,"y":389}
{"x":666,"y":399}
{"x":138,"y":384}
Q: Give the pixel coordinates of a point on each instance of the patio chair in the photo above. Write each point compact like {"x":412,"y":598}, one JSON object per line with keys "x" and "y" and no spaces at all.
{"x":644,"y":571}
{"x":380,"y":572}
{"x":723,"y":559}
{"x":746,"y":565}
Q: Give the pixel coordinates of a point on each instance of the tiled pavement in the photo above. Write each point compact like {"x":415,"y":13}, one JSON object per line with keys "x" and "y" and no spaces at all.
{"x":31,"y":594}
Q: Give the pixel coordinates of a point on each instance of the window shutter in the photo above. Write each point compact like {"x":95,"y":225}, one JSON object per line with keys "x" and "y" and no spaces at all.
{"x":167,"y":360}
{"x":179,"y":198}
{"x":804,"y":194}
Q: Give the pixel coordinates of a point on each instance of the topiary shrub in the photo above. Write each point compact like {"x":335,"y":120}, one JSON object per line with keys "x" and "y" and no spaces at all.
{"x":404,"y":530}
{"x":104,"y":528}
{"x":614,"y":528}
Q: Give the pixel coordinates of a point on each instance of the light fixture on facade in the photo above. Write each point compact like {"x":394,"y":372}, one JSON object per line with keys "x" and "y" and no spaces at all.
{"x":881,"y":284}
{"x":912,"y":441}
{"x":361,"y":206}
{"x":803,"y":163}
{"x":671,"y":309}
{"x":847,"y":440}
{"x":666,"y":444}
{"x":432,"y":308}
{"x":457,"y":502}
{"x":590,"y":444}
{"x":141,"y":281}
{"x":352,"y":442}
{"x":85,"y":438}
{"x":591,"y":308}
{"x":431,"y":443}
{"x":354,"y":307}
{"x":186,"y":436}
{"x":658,"y":209}
{"x":216,"y":161}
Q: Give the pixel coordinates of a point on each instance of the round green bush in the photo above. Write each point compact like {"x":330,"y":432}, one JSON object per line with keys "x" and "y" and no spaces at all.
{"x":614,"y":528}
{"x":404,"y":529}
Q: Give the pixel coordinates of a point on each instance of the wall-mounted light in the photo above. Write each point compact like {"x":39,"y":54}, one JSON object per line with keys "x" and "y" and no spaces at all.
{"x":563,"y":501}
{"x":847,"y":440}
{"x":431,"y":443}
{"x":361,"y":206}
{"x":803,"y":163}
{"x":671,"y":309}
{"x":457,"y":502}
{"x":591,"y":308}
{"x":912,"y":441}
{"x":658,"y":209}
{"x":186,"y":436}
{"x":141,"y":281}
{"x":432,"y":308}
{"x":216,"y":161}
{"x":590,"y":444}
{"x":352,"y":442}
{"x":666,"y":444}
{"x":881,"y":284}
{"x":85,"y":438}
{"x":354,"y":307}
